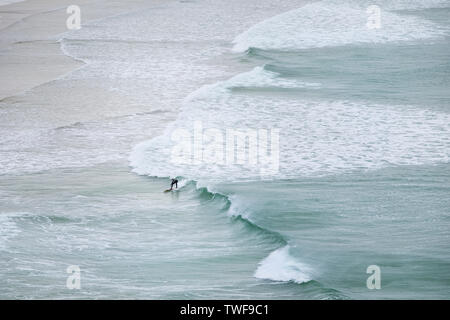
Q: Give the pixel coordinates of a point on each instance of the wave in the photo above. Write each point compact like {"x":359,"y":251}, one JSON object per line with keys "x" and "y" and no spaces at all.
{"x":258,"y":77}
{"x":338,"y":23}
{"x":8,"y":228}
{"x":280,"y":265}
{"x":231,"y":205}
{"x":64,"y":44}
{"x":10,"y":224}
{"x":320,"y":138}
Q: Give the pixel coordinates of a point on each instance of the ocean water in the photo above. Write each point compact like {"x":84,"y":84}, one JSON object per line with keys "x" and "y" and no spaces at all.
{"x":360,"y":175}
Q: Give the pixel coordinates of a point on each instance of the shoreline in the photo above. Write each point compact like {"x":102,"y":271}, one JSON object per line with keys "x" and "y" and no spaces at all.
{"x":22,"y":54}
{"x":30,"y":32}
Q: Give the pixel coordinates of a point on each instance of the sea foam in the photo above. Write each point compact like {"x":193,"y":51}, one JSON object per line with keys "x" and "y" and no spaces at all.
{"x":281,"y":266}
{"x":337,"y":23}
{"x":317,"y":137}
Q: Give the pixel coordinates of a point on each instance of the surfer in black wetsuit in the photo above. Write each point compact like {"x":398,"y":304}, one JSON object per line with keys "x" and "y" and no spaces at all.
{"x":174,"y":182}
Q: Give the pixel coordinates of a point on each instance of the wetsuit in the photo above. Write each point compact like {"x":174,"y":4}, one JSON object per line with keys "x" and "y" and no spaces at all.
{"x":174,"y":182}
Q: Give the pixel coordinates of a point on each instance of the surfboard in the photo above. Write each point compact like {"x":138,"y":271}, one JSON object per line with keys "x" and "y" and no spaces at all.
{"x":167,"y":190}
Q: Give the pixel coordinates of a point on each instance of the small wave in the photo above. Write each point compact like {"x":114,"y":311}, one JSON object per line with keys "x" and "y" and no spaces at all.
{"x":258,"y":77}
{"x":8,"y":228}
{"x":281,"y":266}
{"x":238,"y":208}
{"x":261,"y":77}
{"x":337,"y":23}
{"x":63,"y":45}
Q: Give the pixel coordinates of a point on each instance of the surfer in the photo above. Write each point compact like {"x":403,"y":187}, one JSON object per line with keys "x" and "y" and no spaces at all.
{"x":174,"y":182}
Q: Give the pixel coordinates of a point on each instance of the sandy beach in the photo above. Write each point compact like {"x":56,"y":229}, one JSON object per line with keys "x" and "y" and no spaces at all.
{"x":30,"y":54}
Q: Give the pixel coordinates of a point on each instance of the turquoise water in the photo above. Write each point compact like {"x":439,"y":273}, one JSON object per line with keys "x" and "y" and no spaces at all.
{"x":393,"y":218}
{"x":363,"y":176}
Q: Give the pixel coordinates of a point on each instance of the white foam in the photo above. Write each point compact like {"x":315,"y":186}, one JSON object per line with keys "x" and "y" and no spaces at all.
{"x":405,"y":4}
{"x":8,"y":228}
{"x":316,"y":137}
{"x":182,"y":183}
{"x":239,"y":208}
{"x":6,"y":2}
{"x":281,"y":266}
{"x":337,"y":23}
{"x":258,"y":77}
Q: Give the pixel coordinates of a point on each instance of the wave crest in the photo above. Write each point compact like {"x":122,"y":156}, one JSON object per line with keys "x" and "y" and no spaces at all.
{"x":336,"y":23}
{"x":281,"y":266}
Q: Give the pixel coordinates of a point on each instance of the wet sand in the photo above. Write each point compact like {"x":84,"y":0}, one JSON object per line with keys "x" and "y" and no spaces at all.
{"x":30,"y":54}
